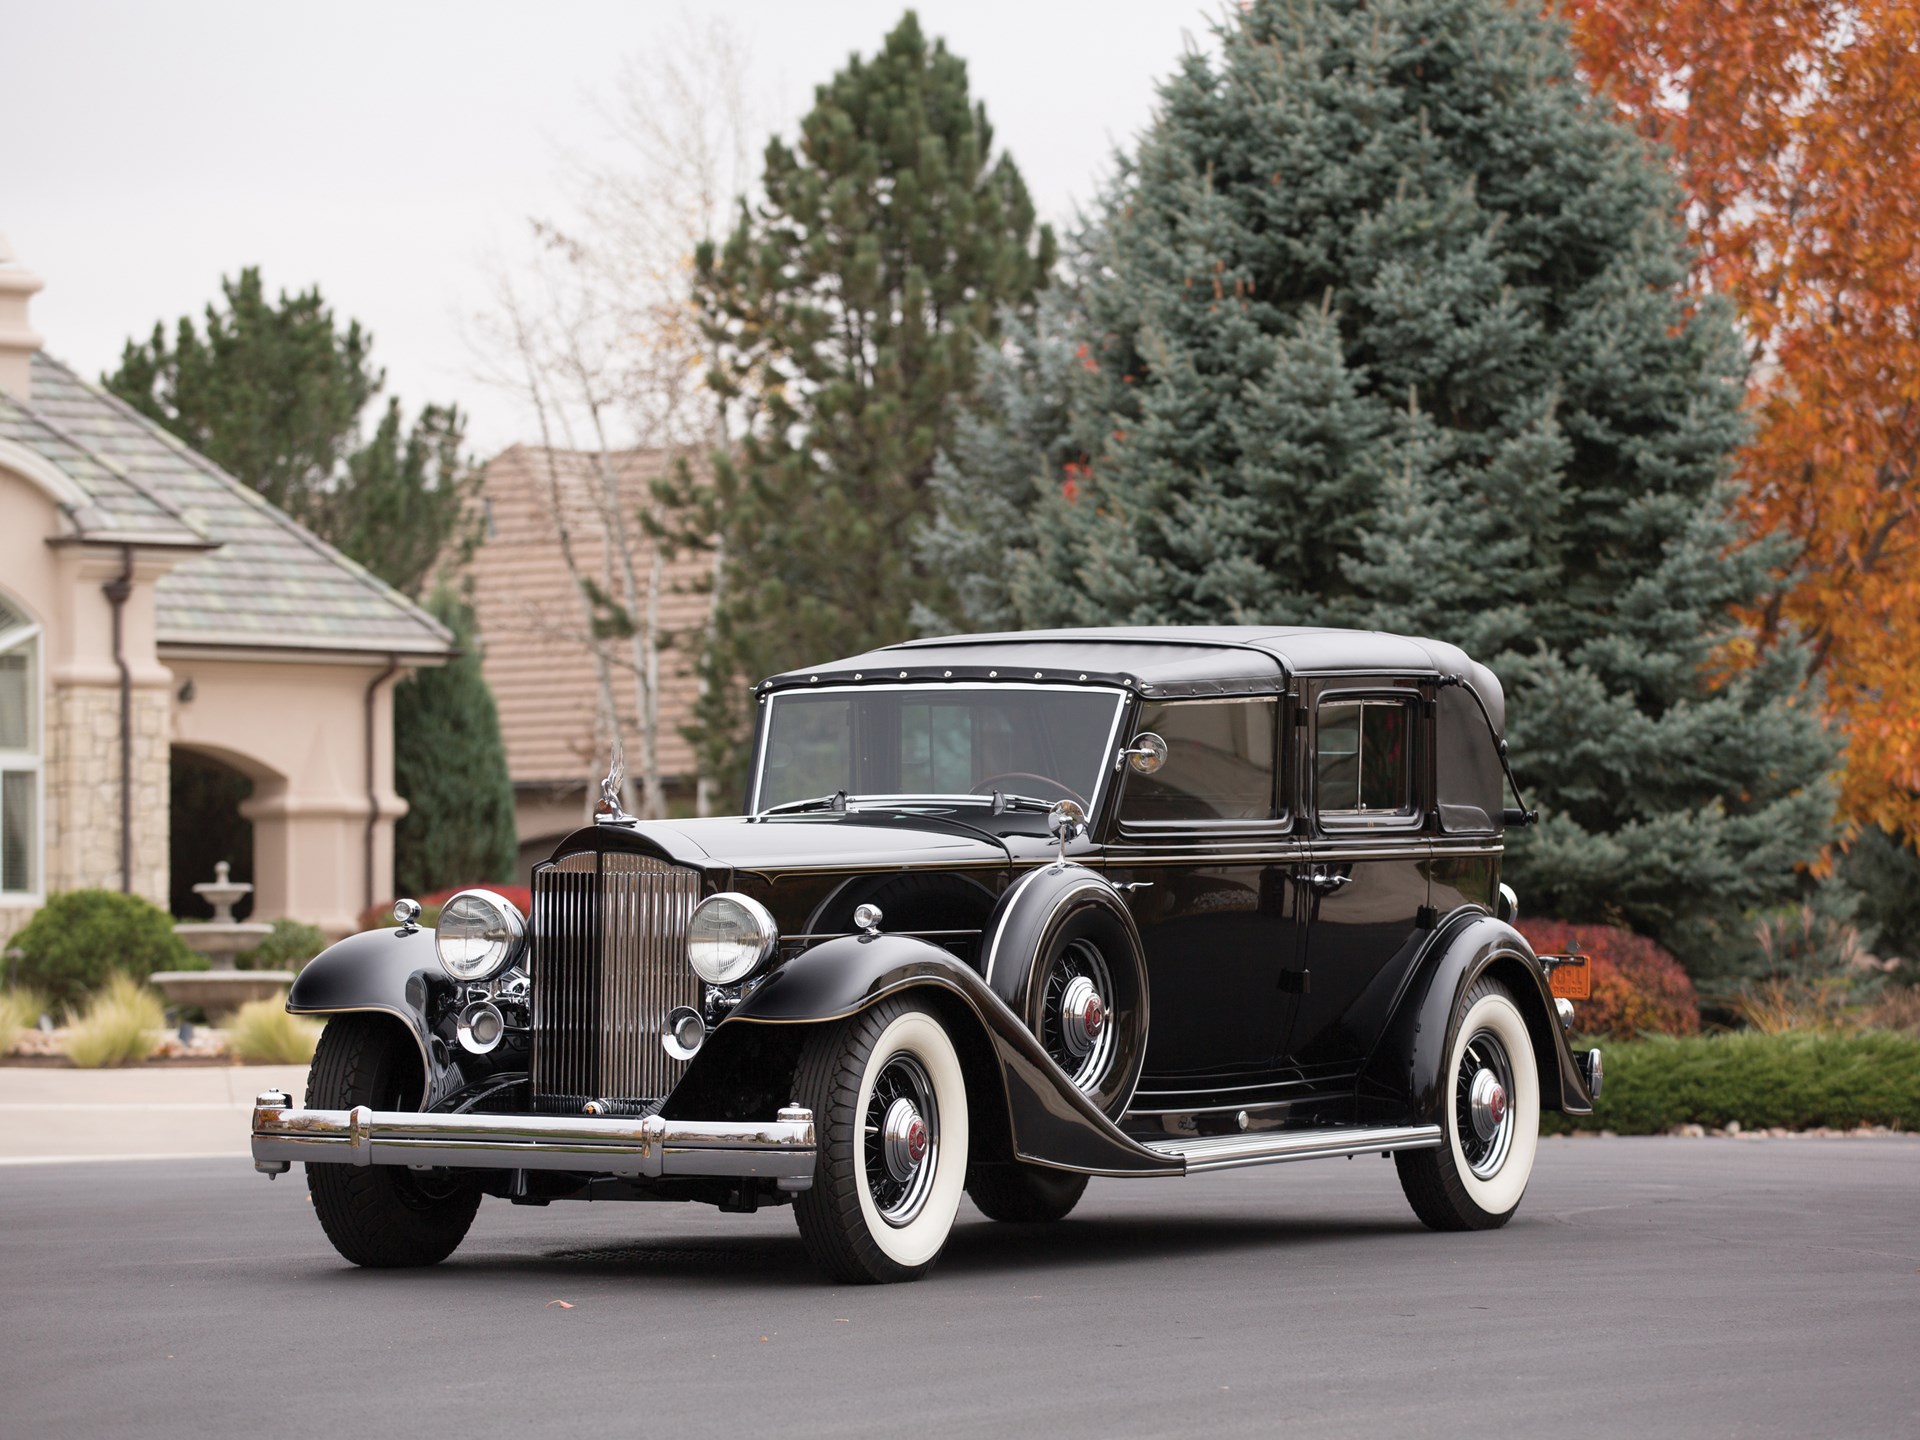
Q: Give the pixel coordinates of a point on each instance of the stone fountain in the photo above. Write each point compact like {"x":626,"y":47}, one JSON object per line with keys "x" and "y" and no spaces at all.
{"x":222,"y":989}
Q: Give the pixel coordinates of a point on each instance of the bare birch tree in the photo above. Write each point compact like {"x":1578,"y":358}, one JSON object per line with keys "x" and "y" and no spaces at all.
{"x":597,"y":333}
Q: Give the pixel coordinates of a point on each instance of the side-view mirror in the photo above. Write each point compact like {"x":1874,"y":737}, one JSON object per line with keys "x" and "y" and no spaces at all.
{"x":1145,"y":756}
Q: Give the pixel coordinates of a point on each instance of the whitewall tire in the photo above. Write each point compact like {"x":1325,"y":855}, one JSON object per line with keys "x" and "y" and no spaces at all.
{"x":890,"y":1112}
{"x":1490,"y":1122}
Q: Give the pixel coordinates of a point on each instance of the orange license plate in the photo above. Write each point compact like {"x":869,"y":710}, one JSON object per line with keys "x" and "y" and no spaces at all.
{"x":1571,"y":979}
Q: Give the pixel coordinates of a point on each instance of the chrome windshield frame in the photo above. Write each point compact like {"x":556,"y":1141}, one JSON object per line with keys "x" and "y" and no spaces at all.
{"x":1103,"y":770}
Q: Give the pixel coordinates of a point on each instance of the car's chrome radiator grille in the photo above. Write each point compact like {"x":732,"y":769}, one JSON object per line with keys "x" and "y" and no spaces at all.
{"x":609,"y":962}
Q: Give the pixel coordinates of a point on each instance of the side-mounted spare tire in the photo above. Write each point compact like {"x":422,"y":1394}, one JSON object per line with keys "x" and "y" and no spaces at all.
{"x":1062,"y":950}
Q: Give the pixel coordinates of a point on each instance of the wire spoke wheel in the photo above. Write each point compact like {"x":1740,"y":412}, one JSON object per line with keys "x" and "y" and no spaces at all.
{"x":901,"y":1142}
{"x":1482,"y":1106}
{"x":1076,"y":1011}
{"x":1490,"y":1118}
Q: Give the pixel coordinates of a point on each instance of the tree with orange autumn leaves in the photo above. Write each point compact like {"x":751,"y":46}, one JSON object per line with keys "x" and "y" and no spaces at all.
{"x":1795,"y":128}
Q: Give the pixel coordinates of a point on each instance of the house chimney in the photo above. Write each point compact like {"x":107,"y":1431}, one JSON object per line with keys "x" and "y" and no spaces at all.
{"x":17,"y":340}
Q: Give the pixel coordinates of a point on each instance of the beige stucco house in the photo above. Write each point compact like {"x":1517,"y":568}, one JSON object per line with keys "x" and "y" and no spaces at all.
{"x":150,"y":605}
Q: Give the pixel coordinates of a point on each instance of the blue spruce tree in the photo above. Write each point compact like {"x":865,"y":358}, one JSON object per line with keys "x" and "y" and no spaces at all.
{"x":1386,"y":325}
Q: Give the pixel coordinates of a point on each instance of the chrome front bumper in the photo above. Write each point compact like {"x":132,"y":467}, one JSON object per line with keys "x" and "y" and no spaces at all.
{"x":781,"y":1150}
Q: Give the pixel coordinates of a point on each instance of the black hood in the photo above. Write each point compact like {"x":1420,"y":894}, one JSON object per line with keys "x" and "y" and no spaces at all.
{"x":805,"y":842}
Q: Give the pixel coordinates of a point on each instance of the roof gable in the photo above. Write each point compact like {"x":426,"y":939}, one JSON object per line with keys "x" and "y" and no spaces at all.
{"x":270,"y":583}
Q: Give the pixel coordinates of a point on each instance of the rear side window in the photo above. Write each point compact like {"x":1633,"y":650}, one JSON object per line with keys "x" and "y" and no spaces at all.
{"x":1219,"y":763}
{"x":1363,"y":758}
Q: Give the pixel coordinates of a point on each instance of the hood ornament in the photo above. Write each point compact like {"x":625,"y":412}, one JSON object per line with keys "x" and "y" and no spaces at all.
{"x":609,"y":811}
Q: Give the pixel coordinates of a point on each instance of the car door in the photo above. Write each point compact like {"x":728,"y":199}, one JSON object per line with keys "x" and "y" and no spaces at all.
{"x":1366,"y":889}
{"x":1208,"y":849}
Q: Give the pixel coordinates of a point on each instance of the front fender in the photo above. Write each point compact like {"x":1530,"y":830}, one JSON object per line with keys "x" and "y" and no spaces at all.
{"x":387,"y":972}
{"x":1408,"y":1067}
{"x":1050,"y":1122}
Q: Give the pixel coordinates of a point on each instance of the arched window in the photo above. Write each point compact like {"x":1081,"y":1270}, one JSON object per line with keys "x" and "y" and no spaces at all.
{"x":20,"y":789}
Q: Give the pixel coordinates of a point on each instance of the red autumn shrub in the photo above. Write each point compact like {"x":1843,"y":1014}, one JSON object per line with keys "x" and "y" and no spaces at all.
{"x":1636,"y":985}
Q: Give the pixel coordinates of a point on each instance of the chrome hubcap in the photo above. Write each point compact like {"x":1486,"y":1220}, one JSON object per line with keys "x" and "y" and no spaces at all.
{"x":902,"y":1134}
{"x":1483,"y":1104}
{"x":906,"y":1139}
{"x":1489,"y":1103}
{"x":1082,"y":1016}
{"x":1075,"y":1024}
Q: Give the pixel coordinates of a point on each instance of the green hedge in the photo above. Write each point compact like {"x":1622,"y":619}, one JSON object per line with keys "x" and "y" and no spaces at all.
{"x":79,"y":939}
{"x":1798,"y":1080}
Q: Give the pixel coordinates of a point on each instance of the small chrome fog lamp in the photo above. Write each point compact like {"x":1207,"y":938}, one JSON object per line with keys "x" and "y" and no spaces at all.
{"x":686,"y":1032}
{"x":479,"y":935}
{"x":480,"y":1027}
{"x":729,"y":937}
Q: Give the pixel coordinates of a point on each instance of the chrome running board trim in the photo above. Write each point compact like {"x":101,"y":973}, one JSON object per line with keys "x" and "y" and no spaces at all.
{"x":781,"y":1150}
{"x":1232,"y":1152}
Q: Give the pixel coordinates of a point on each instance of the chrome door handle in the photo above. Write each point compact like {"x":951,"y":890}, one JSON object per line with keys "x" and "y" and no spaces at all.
{"x":1326,"y":881}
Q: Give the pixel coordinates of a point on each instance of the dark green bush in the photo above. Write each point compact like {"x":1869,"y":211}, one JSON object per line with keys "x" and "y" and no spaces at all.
{"x":1798,"y":1080}
{"x":289,"y":947}
{"x":78,"y":940}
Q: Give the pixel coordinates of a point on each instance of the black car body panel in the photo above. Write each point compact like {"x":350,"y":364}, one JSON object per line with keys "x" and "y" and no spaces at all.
{"x":389,"y":972}
{"x":1049,"y":1121}
{"x":1306,"y":922}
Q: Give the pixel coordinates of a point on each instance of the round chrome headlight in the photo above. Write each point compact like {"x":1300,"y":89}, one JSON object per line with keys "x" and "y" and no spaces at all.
{"x":479,"y":935}
{"x":730,"y":937}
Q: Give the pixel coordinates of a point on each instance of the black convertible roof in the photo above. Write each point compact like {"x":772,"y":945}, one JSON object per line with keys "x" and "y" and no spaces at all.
{"x":1160,"y":662}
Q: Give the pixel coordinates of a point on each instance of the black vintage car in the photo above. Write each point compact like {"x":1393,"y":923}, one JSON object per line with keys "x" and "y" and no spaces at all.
{"x":1008,"y":911}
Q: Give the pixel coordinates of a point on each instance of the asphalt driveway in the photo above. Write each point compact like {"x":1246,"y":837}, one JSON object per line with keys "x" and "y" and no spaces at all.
{"x":1648,"y":1287}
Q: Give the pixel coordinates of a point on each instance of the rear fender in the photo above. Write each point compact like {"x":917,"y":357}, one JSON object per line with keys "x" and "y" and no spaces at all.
{"x":386,"y":972}
{"x":1048,"y":1120}
{"x":1406,"y":1073}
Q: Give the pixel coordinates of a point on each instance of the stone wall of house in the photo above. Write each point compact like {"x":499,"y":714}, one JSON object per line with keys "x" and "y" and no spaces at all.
{"x":83,"y":789}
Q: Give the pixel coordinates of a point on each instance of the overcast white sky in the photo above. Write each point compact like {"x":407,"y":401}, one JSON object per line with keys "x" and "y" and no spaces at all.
{"x":391,"y":152}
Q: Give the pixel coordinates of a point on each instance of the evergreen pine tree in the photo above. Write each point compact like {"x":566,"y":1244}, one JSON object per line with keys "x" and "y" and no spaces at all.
{"x":273,"y":392}
{"x":846,"y":306}
{"x":1388,"y":327}
{"x":451,"y":768}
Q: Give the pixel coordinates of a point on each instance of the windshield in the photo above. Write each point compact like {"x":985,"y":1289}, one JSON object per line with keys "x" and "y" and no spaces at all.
{"x":1050,"y":744}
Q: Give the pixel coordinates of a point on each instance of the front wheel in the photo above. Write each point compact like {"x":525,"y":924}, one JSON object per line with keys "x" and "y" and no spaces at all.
{"x":1474,"y":1179}
{"x":890,"y":1116}
{"x":381,"y":1216}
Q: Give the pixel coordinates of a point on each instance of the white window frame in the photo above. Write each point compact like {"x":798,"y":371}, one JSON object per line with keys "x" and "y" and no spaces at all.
{"x":31,"y":761}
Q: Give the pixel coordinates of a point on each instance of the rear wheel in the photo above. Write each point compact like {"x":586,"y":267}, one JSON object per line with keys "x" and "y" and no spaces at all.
{"x":890,"y":1114}
{"x":1474,"y":1179}
{"x":381,"y":1216}
{"x":1025,"y":1194}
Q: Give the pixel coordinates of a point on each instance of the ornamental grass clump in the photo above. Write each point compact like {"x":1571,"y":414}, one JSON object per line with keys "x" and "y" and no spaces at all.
{"x":121,"y":1026}
{"x":263,"y":1033}
{"x":20,"y":1010}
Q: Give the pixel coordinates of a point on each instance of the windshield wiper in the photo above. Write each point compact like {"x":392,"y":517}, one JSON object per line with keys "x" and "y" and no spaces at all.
{"x":1003,"y":803}
{"x":835,"y":801}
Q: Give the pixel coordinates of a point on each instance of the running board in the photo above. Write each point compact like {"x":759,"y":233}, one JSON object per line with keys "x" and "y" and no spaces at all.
{"x":1231,"y":1152}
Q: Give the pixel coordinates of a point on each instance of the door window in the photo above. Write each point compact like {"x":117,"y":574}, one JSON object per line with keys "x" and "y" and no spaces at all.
{"x":1363,"y":760}
{"x":1220,"y":763}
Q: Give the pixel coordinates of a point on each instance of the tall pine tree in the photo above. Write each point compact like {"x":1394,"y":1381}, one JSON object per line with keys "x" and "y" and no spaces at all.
{"x":846,"y":306}
{"x":274,"y":393}
{"x":1385,"y":325}
{"x":451,"y":768}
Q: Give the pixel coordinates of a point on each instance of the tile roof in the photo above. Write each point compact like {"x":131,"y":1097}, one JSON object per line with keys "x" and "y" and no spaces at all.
{"x":533,"y":650}
{"x":271,"y":583}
